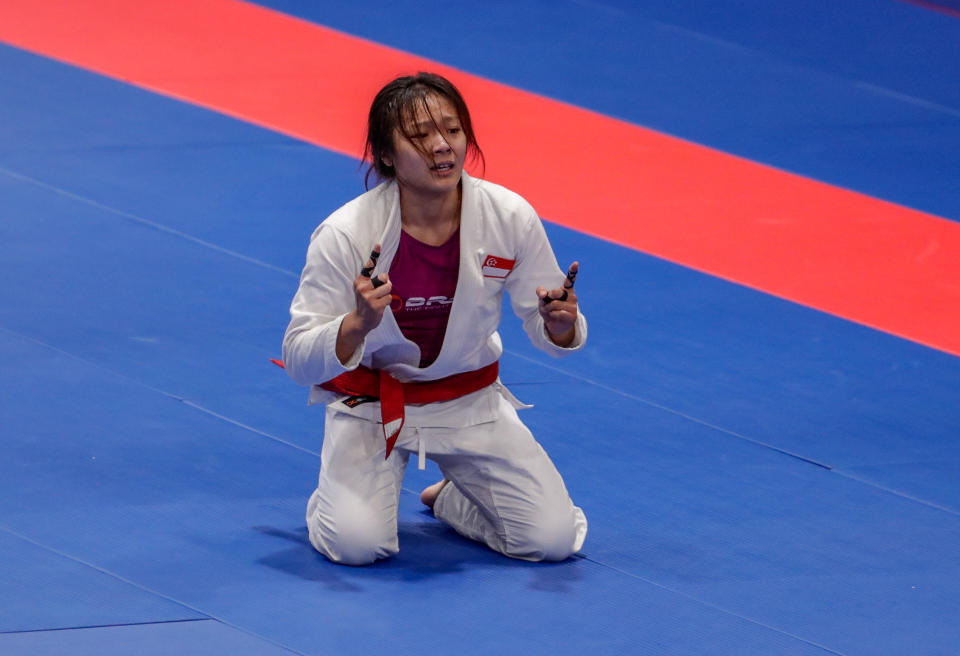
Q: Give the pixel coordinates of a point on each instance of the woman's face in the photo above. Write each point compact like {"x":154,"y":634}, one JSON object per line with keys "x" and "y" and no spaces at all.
{"x":430,"y":162}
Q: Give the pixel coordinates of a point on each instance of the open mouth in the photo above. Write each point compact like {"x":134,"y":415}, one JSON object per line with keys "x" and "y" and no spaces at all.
{"x":445,"y":166}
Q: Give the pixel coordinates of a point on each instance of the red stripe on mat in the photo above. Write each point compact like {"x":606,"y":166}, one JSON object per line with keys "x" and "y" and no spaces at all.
{"x":853,"y":256}
{"x":936,"y":6}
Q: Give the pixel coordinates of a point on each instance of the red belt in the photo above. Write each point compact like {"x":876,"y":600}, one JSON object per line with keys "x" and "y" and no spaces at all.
{"x":393,"y":394}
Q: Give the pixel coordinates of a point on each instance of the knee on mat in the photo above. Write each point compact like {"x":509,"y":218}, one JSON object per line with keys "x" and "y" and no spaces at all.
{"x":352,"y":534}
{"x":551,"y":538}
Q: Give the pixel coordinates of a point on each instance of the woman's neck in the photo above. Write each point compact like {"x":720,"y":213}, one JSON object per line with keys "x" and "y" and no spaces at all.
{"x":431,"y":220}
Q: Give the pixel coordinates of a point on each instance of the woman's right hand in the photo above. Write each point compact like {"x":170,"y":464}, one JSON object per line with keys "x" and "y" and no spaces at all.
{"x":373,"y":295}
{"x":372,"y":300}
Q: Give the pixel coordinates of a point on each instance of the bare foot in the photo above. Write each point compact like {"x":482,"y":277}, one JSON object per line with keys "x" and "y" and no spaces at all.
{"x":429,"y":496}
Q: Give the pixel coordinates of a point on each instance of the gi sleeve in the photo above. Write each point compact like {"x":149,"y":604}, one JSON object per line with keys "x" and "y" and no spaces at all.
{"x":325,"y":296}
{"x":536,"y":266}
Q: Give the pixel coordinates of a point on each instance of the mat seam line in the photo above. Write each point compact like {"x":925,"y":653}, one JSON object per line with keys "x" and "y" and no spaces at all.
{"x":829,"y":468}
{"x":145,"y":222}
{"x":894,"y":491}
{"x":169,"y":395}
{"x":107,"y":626}
{"x":139,"y":586}
{"x":711,"y":605}
{"x":806,"y":68}
{"x":677,"y":413}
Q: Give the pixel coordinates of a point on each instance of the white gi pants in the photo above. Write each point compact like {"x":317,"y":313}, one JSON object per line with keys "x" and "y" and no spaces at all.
{"x":504,"y":490}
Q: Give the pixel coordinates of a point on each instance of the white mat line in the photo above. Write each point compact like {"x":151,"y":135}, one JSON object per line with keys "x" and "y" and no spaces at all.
{"x":714,"y":606}
{"x":765,"y":445}
{"x":107,"y":626}
{"x":174,"y":397}
{"x":145,"y":222}
{"x":144,"y":588}
{"x":653,"y":404}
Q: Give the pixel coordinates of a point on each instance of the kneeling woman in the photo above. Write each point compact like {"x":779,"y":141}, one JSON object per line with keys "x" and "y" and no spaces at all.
{"x":437,"y":247}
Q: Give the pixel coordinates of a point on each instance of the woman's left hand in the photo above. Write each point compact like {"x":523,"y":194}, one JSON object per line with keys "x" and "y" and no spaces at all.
{"x":558,"y":307}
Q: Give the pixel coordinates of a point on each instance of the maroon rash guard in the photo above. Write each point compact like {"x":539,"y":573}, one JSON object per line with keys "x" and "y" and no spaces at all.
{"x":424,"y":281}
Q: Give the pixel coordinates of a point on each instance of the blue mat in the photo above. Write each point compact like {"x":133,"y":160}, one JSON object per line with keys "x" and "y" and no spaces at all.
{"x":42,"y":590}
{"x":760,"y":478}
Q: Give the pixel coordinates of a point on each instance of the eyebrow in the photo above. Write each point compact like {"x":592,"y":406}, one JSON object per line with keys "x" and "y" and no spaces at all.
{"x":428,"y":123}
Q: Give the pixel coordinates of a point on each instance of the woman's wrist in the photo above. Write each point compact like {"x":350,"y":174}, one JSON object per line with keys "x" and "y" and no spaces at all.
{"x":350,"y":336}
{"x":565,"y":339}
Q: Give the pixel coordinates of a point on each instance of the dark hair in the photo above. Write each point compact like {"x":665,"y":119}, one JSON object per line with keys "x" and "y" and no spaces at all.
{"x":394,"y":107}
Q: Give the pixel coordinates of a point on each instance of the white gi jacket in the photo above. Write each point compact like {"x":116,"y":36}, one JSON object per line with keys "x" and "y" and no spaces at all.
{"x":494,"y":222}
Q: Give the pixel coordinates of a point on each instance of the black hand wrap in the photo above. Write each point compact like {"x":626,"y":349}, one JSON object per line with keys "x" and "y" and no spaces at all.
{"x":567,"y":284}
{"x":547,"y":299}
{"x":367,"y":270}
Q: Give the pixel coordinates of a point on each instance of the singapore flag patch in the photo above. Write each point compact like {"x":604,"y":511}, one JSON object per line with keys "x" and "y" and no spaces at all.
{"x":495,"y":266}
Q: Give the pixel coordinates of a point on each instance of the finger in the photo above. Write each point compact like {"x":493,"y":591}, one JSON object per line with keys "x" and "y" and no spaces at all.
{"x":549,"y":299}
{"x":371,"y":263}
{"x":379,"y":286}
{"x":571,"y":275}
{"x":372,"y":288}
{"x":567,"y":284}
